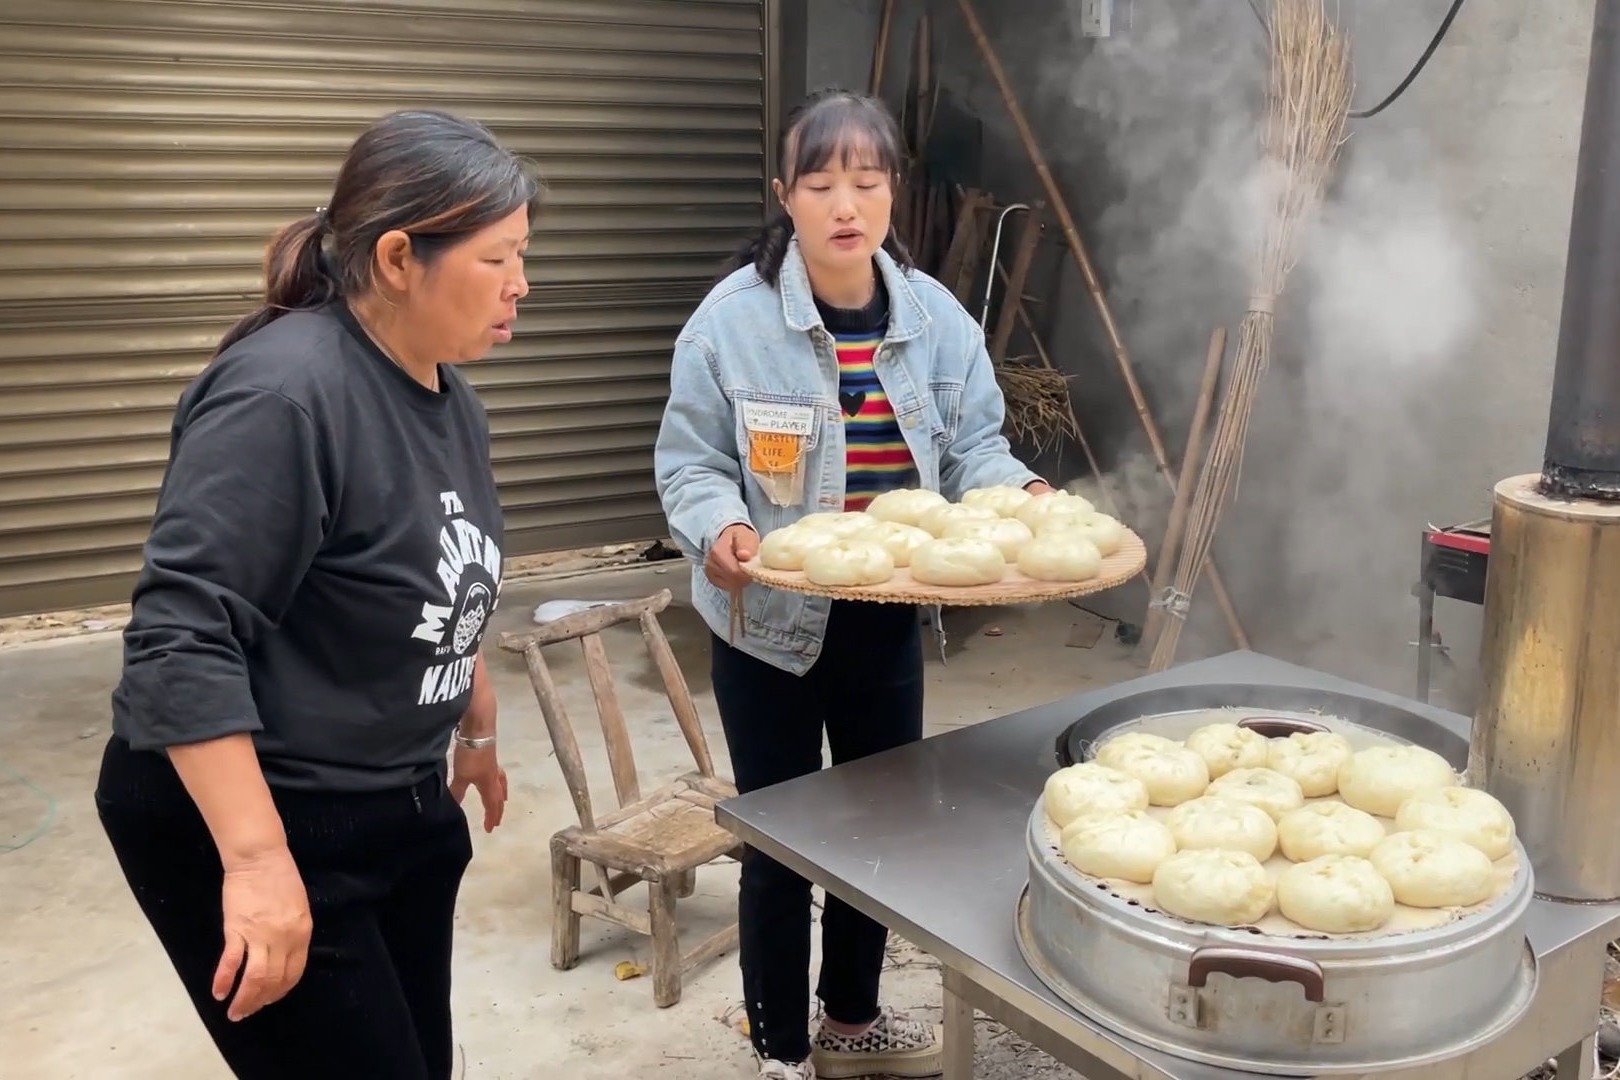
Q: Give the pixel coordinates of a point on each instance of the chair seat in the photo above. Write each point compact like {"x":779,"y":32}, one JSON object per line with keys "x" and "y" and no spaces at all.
{"x":669,"y":831}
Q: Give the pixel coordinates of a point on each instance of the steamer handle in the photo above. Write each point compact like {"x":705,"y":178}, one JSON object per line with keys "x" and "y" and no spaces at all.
{"x":1253,"y":964}
{"x":1278,"y":727}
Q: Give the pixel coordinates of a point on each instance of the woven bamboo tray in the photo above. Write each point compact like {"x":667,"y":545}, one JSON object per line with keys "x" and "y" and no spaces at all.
{"x":1015,"y":588}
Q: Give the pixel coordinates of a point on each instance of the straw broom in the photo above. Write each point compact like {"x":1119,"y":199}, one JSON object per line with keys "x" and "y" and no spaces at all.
{"x":1308,"y":100}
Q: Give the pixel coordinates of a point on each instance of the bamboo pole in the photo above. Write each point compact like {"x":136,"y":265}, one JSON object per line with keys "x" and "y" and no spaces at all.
{"x":880,"y":50}
{"x":1164,"y":568}
{"x":918,"y":84}
{"x":1082,"y":258}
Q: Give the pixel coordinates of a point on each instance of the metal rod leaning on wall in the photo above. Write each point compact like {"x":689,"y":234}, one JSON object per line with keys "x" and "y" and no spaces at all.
{"x":1016,"y":280}
{"x":1164,"y":568}
{"x":1082,"y":259}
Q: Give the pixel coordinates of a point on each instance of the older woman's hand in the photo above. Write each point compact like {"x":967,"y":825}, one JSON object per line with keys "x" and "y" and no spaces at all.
{"x":1039,"y":487}
{"x":480,"y":769}
{"x":267,"y":929}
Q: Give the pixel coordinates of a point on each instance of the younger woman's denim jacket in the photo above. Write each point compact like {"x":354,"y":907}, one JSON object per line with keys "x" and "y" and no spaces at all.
{"x":753,"y":356}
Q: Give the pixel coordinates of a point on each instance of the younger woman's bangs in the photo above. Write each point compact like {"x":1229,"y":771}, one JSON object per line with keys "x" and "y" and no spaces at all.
{"x":845,"y":132}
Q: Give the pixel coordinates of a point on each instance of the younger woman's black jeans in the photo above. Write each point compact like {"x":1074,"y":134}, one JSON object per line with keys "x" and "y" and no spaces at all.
{"x":382,"y":870}
{"x":866,"y":692}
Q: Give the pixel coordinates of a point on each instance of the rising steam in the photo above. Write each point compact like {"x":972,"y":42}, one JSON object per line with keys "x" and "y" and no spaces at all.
{"x":1371,"y":328}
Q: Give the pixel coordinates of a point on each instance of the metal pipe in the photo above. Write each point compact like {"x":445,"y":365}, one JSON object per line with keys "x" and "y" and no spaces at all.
{"x":1583,"y":431}
{"x":995,"y":253}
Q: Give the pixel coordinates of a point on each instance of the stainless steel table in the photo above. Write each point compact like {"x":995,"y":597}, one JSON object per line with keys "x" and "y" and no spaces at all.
{"x":928,"y":840}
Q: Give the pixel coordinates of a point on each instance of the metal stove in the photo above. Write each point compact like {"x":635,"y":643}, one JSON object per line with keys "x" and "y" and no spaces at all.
{"x":932,"y":841}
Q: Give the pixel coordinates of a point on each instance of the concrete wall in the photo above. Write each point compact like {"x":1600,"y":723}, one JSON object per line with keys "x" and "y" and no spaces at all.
{"x":1415,"y":339}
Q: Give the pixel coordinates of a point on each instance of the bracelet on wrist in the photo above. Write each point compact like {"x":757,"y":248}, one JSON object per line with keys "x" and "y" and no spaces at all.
{"x":477,"y":743}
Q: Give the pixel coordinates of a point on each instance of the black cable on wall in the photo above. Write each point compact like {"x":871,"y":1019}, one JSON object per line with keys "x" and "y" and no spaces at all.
{"x":1411,"y":76}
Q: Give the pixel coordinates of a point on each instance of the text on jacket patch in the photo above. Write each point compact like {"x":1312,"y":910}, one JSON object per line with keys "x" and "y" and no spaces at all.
{"x":470,"y":570}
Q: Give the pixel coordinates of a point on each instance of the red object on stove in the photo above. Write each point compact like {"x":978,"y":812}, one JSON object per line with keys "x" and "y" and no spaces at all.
{"x":1472,"y":542}
{"x":1454,"y":565}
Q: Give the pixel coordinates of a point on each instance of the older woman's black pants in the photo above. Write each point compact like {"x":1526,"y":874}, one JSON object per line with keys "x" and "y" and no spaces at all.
{"x":382,"y":870}
{"x":866,"y":692}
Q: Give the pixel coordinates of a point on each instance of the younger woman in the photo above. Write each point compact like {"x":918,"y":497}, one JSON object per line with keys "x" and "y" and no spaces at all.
{"x":822,"y":371}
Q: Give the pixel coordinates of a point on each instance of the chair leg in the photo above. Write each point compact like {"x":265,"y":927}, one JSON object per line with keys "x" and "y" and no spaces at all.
{"x":666,"y":965}
{"x":685,"y":884}
{"x":564,"y":919}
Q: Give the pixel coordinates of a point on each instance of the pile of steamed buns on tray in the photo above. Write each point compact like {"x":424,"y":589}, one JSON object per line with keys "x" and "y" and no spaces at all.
{"x":1053,"y":537}
{"x":1358,"y":832}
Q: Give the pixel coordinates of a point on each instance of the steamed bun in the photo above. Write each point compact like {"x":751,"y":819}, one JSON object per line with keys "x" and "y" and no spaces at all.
{"x":1173,"y":774}
{"x":1090,"y":788}
{"x":1224,"y":888}
{"x":1126,"y":844}
{"x":1427,"y":869}
{"x":786,"y":548}
{"x":958,"y":563}
{"x":1225,"y":747}
{"x":1271,"y":791}
{"x":1106,"y":532}
{"x":904,"y":505}
{"x":1328,"y":828}
{"x":1336,"y":894}
{"x":1114,"y":750}
{"x":900,"y":541}
{"x":1052,"y":508}
{"x":937,"y":519}
{"x":1381,"y":778}
{"x":1467,"y":814}
{"x":845,"y":563}
{"x":1000,"y":500}
{"x":1008,"y":534}
{"x":1213,"y":822}
{"x":1311,"y":758}
{"x":1060,"y":558}
{"x":841,"y":524}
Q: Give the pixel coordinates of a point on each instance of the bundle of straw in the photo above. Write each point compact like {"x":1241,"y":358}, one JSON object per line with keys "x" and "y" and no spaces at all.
{"x":1038,"y":405}
{"x":1308,"y":101}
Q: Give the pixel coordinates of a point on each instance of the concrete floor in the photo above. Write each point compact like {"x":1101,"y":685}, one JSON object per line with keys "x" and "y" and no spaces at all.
{"x":86,"y":993}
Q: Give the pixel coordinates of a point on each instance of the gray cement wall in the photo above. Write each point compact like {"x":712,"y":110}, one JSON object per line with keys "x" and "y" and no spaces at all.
{"x":1415,"y":340}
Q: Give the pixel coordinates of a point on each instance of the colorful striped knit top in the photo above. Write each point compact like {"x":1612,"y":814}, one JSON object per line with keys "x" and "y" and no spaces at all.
{"x":878,"y":459}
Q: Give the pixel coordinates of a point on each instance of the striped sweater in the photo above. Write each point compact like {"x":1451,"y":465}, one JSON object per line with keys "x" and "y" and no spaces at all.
{"x":877,"y":459}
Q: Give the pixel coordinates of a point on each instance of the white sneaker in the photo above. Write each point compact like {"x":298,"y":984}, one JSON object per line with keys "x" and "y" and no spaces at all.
{"x":781,"y":1070}
{"x":895,"y":1045}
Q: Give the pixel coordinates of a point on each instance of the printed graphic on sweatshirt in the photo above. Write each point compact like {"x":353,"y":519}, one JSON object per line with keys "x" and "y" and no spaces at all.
{"x":470,"y":571}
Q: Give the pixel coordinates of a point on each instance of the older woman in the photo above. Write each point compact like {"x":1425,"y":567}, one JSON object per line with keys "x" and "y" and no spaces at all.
{"x":303,"y":646}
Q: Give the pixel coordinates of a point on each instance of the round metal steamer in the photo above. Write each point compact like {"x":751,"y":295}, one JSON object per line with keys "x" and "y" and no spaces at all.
{"x":1244,"y":999}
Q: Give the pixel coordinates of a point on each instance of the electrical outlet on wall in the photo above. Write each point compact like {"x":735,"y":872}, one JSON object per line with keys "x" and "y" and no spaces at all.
{"x":1104,"y":18}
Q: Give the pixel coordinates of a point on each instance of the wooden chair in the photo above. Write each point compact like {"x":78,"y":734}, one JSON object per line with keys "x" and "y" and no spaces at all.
{"x":660,"y":838}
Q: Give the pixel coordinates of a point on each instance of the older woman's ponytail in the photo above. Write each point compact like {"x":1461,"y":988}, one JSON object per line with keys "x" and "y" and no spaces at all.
{"x":295,"y":276}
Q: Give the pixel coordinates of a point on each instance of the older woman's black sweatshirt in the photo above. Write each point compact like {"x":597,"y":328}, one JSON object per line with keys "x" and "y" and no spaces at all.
{"x":323,"y":562}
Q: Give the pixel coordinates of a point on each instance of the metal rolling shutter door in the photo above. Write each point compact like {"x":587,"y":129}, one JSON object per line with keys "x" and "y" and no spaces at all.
{"x":151,"y":146}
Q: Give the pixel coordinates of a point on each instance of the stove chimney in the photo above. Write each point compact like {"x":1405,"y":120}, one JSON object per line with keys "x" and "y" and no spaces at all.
{"x":1546,"y":741}
{"x":1583,"y":431}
